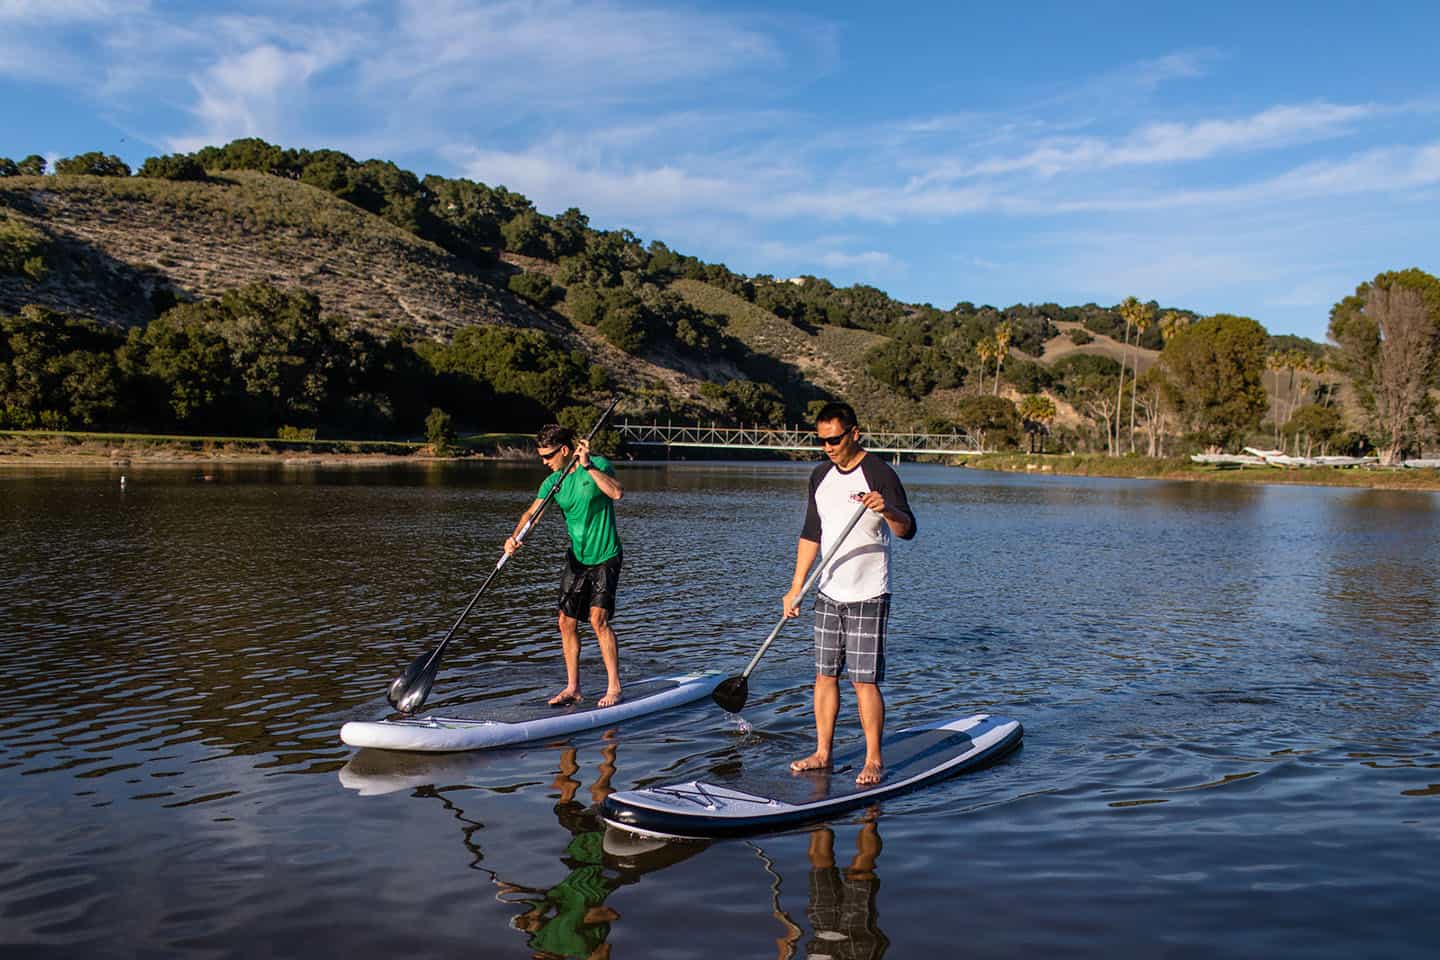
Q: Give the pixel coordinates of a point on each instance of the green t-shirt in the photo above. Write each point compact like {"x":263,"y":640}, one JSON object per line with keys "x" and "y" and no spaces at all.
{"x":589,"y":514}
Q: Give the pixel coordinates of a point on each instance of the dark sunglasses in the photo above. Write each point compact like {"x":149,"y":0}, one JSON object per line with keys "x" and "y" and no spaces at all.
{"x":547,"y":454}
{"x":831,"y":441}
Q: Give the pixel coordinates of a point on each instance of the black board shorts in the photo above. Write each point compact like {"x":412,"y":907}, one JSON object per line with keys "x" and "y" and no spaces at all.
{"x":582,"y":587}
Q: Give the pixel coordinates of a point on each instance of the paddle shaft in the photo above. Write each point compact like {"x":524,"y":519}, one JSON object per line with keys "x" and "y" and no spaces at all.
{"x":431,"y":662}
{"x":809,"y":582}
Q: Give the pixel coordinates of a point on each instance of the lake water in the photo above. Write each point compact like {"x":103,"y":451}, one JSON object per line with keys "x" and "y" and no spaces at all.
{"x":1229,"y":695}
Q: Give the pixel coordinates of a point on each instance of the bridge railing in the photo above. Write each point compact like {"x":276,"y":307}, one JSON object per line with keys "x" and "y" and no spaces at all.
{"x":766,"y":438}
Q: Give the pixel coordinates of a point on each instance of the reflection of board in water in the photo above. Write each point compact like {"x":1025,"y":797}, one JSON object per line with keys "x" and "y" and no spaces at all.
{"x":753,"y":802}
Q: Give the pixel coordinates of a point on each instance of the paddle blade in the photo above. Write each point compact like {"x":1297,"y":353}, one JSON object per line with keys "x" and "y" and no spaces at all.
{"x":731,"y":694}
{"x":418,"y":676}
{"x":414,"y":698}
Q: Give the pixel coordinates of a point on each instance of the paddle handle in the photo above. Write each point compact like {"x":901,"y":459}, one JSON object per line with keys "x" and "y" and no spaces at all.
{"x":809,"y":582}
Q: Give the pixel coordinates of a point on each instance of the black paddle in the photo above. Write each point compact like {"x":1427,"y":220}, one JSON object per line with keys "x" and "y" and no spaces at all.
{"x":408,"y":691}
{"x":731,"y":693}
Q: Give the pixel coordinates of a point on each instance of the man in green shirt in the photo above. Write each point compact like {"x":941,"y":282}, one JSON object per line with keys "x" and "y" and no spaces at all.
{"x":587,"y":496}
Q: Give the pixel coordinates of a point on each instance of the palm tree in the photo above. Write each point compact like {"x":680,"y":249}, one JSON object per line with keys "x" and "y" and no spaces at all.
{"x":1132,"y":310}
{"x":1037,"y":409}
{"x":1003,"y":332}
{"x":985,"y":350}
{"x":1172,"y":323}
{"x":1142,"y":323}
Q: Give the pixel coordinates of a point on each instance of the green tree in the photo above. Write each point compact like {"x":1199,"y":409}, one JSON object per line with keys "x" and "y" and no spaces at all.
{"x":175,"y":166}
{"x":23,"y":249}
{"x":519,"y":364}
{"x":9,"y":168}
{"x":56,"y":372}
{"x":1314,"y":425}
{"x":1388,"y":338}
{"x":528,"y":234}
{"x":534,"y":287}
{"x":94,"y":164}
{"x":1087,"y":382}
{"x":32,"y":166}
{"x":1036,"y":413}
{"x":747,"y":402}
{"x":992,"y":421}
{"x":1214,"y":378}
{"x":585,"y":303}
{"x":182,"y":361}
{"x":440,"y":432}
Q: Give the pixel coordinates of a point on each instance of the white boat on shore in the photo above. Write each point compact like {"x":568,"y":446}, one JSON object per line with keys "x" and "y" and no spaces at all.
{"x":1227,"y":460}
{"x":1254,"y":457}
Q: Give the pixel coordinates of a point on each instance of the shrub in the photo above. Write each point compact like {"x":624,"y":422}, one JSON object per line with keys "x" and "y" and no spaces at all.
{"x":22,"y":249}
{"x":94,"y":164}
{"x":440,"y":431}
{"x":177,"y":166}
{"x":1080,"y":336}
{"x":296,"y":433}
{"x":534,"y":287}
{"x":585,"y":304}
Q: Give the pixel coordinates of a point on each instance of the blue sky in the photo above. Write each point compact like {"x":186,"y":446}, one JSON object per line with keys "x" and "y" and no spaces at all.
{"x":1259,"y":158}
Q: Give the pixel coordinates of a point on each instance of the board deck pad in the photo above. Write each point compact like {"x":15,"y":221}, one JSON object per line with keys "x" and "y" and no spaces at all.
{"x":520,"y":722}
{"x":756,"y":801}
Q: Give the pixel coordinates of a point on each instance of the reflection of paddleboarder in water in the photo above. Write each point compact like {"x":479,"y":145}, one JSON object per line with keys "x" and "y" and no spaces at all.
{"x":842,"y":902}
{"x":571,"y":918}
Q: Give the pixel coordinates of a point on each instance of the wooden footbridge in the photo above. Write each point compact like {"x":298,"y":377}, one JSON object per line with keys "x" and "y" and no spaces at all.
{"x":789,"y":439}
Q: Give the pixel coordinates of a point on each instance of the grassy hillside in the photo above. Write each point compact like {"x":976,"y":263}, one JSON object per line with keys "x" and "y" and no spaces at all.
{"x":127,"y":246}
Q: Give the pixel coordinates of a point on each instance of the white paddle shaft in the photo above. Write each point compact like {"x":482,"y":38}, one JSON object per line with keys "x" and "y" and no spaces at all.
{"x":809,"y":582}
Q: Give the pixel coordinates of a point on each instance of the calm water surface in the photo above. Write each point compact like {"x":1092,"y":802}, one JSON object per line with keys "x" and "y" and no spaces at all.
{"x":1229,"y":695}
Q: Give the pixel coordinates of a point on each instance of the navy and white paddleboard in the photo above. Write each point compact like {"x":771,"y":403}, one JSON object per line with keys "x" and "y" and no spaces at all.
{"x":753,"y":803}
{"x":536,"y":721}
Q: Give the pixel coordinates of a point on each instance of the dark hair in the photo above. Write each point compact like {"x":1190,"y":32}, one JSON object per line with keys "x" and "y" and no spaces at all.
{"x":554,"y":435}
{"x":835,"y":410}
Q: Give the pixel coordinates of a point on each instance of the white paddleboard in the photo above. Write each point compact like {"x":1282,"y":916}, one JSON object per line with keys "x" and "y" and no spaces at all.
{"x":539,"y":721}
{"x":755,"y":802}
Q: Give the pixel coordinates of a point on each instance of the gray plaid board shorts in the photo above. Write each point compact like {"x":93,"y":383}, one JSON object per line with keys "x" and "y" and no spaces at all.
{"x":851,"y":636}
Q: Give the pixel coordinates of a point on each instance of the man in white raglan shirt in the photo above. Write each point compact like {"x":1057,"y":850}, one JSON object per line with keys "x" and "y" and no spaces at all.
{"x":852,"y":605}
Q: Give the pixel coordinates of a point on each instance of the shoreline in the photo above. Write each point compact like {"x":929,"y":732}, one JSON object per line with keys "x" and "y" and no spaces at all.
{"x":1183,"y":469}
{"x":130,"y":450}
{"x":118,"y":451}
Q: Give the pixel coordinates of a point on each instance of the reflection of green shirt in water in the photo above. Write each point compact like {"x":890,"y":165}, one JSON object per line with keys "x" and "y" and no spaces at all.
{"x":589,"y":514}
{"x":567,"y":933}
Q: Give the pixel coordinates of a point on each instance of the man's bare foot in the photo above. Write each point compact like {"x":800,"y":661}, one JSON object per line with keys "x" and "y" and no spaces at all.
{"x":566,"y":697}
{"x":611,"y":698}
{"x":873,"y":772}
{"x":815,"y":761}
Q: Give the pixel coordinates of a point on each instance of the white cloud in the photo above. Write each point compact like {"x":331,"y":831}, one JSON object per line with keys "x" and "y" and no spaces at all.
{"x":821,"y":253}
{"x":1168,"y":143}
{"x":1382,"y":170}
{"x":566,"y":50}
{"x":557,"y":181}
{"x":68,"y":11}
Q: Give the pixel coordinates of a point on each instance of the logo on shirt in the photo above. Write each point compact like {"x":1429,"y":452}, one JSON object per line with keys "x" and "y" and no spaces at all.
{"x":857,"y":497}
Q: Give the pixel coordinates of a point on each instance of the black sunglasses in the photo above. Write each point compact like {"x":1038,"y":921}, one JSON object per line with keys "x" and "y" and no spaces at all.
{"x":831,"y":441}
{"x":547,"y":454}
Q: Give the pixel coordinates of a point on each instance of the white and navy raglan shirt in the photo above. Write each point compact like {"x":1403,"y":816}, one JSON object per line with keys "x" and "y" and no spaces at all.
{"x":861,"y":571}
